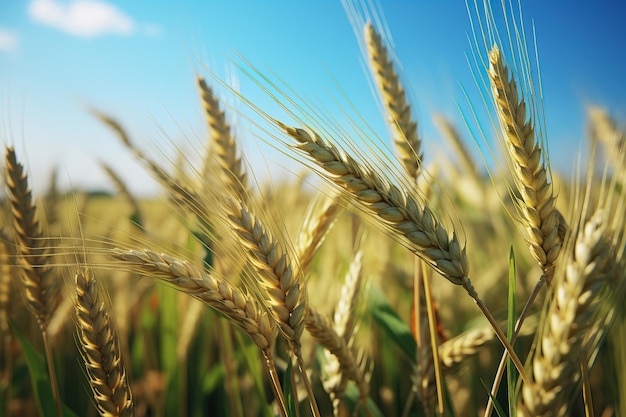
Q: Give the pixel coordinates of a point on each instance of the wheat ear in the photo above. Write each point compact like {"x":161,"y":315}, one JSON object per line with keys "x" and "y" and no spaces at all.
{"x":403,"y":216}
{"x":284,"y":290}
{"x":605,"y":129}
{"x":318,"y":222}
{"x":281,"y":282}
{"x":42,"y":289}
{"x":6,"y":356}
{"x":121,"y":187}
{"x":218,"y":294}
{"x":222,"y":139}
{"x":451,"y":133}
{"x":555,"y":367}
{"x":101,"y":351}
{"x":180,"y":192}
{"x":343,"y":325}
{"x":393,"y":96}
{"x":456,"y":351}
{"x":537,"y":203}
{"x":323,"y":332}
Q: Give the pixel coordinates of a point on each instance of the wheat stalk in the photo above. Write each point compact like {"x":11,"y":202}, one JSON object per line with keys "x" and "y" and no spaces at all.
{"x":101,"y":351}
{"x":393,"y":96}
{"x":40,"y":285}
{"x":537,"y":203}
{"x":426,"y":378}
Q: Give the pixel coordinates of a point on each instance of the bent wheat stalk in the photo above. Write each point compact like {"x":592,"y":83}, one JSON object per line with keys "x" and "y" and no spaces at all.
{"x":218,"y":294}
{"x":282,"y":284}
{"x":101,"y":351}
{"x":402,"y":215}
{"x":40,"y":285}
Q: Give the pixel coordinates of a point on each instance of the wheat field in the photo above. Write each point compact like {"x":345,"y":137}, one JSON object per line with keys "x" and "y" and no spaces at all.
{"x":377,"y":281}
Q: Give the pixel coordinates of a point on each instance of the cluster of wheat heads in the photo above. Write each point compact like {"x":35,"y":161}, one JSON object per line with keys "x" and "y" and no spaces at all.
{"x":279,"y":302}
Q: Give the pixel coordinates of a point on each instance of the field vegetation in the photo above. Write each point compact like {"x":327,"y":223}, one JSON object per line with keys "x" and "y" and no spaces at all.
{"x":376,"y":282}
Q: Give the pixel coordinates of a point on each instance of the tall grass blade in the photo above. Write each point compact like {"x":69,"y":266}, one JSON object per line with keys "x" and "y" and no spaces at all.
{"x":511,"y":377}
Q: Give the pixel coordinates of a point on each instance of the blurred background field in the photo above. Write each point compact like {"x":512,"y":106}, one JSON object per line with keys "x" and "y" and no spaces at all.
{"x":183,"y":358}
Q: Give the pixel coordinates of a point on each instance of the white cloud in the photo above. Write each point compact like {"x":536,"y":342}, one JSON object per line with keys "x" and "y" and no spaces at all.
{"x":8,"y":40}
{"x":85,"y":18}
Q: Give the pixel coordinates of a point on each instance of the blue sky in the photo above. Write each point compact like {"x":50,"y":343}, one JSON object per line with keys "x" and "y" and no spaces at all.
{"x":137,"y":62}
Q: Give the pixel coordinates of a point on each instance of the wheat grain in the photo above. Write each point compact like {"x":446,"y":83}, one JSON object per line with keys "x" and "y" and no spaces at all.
{"x":101,"y":351}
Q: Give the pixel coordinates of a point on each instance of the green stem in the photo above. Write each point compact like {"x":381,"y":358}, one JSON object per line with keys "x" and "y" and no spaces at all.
{"x":53,"y":379}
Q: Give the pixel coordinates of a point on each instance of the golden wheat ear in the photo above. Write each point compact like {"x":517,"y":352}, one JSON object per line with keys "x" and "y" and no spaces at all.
{"x":219,"y":294}
{"x":40,"y":285}
{"x":403,"y":126}
{"x":572,"y":312}
{"x":529,"y":166}
{"x":101,"y":351}
{"x":223,"y":141}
